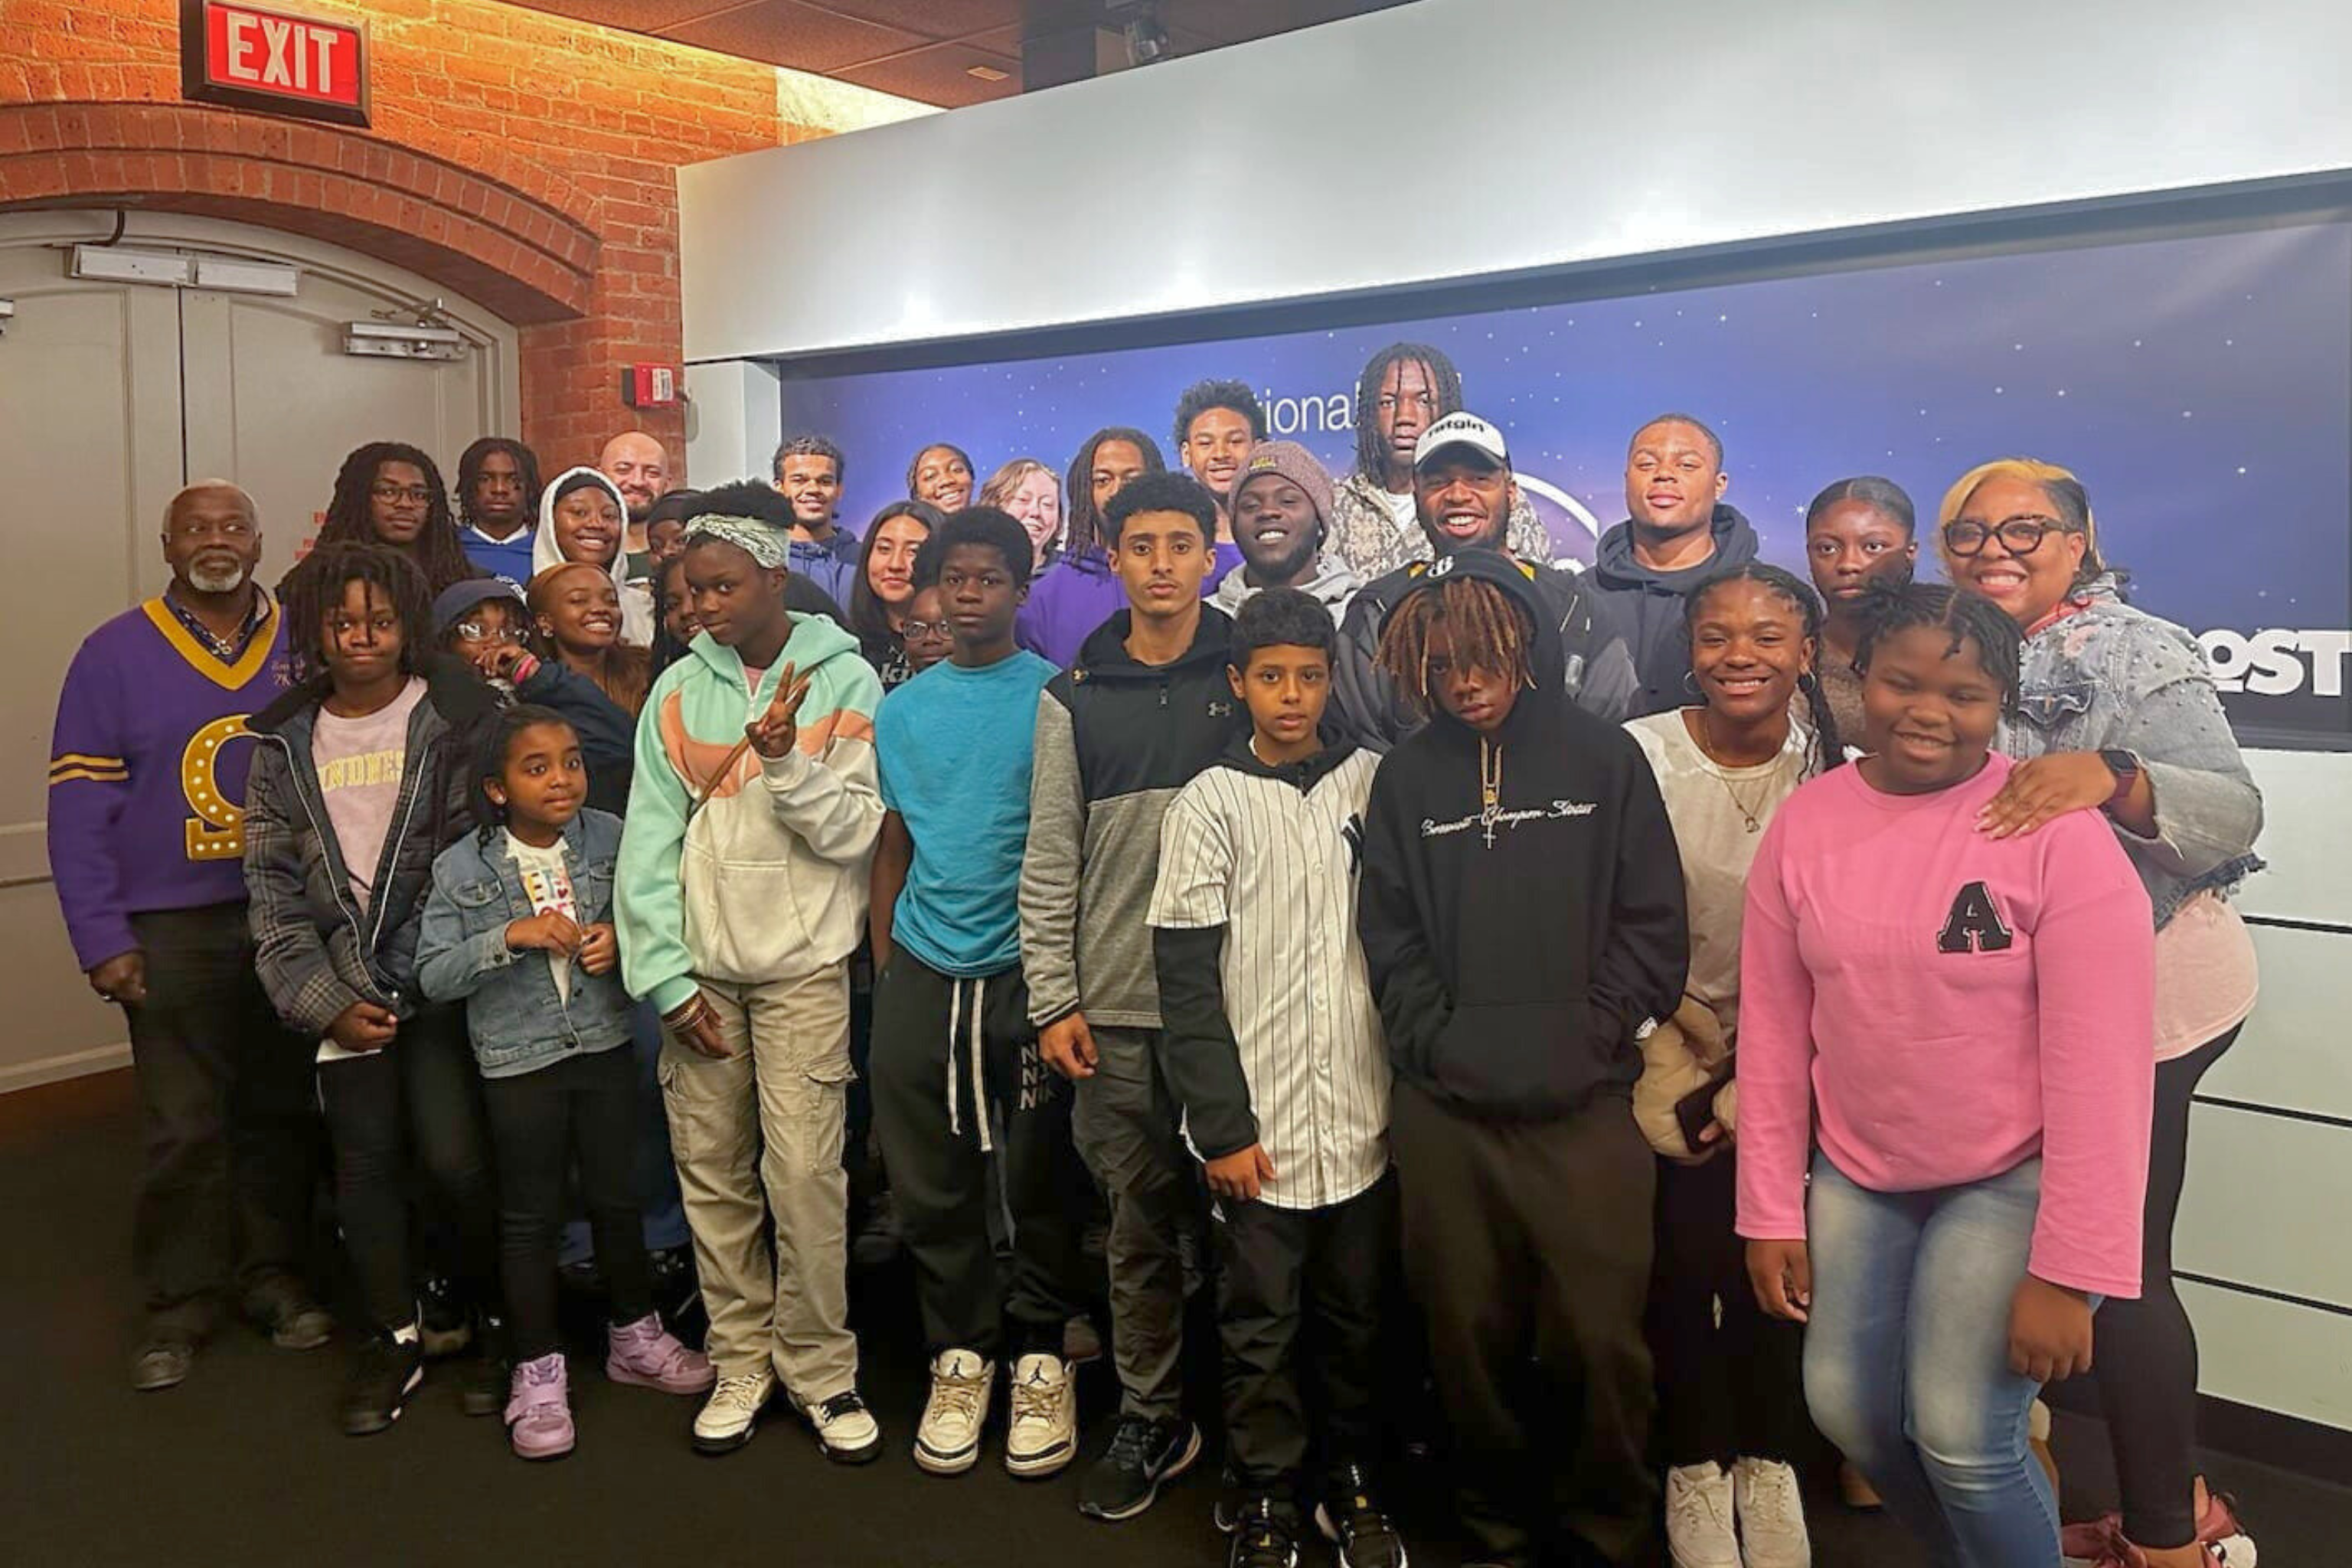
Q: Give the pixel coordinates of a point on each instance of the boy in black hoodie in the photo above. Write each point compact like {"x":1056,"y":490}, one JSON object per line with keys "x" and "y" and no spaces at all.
{"x":1521,"y":911}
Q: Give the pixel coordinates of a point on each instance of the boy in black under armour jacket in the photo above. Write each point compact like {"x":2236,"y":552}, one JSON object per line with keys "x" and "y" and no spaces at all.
{"x":1146,"y":707}
{"x":1521,"y":910}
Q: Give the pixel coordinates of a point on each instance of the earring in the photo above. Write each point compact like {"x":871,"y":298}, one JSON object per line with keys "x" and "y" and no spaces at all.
{"x":1690,"y":682}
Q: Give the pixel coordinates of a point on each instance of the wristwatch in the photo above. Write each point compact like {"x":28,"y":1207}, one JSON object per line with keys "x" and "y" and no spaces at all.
{"x":2125,"y":767}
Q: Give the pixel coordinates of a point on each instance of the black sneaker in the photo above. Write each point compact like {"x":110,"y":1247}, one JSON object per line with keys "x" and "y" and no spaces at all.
{"x":482,"y":1382}
{"x":283,"y":1308}
{"x":384,"y":1373}
{"x":444,"y":1326}
{"x":1225,"y":1513}
{"x":1266,"y":1536}
{"x":1349,"y":1518}
{"x":677,"y":1294}
{"x":1144,"y":1454}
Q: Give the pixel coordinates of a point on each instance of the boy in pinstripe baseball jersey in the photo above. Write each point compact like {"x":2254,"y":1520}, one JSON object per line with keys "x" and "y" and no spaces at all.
{"x":1271,"y":1043}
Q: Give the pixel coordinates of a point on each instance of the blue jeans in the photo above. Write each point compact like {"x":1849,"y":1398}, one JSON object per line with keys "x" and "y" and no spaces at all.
{"x":1906,"y":1360}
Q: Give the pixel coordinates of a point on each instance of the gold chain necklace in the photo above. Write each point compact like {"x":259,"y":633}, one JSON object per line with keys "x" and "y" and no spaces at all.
{"x":1490,"y":785}
{"x":1748,"y":813}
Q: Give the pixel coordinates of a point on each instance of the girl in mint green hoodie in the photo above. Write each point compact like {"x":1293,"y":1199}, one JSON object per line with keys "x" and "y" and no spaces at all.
{"x":742,"y":894}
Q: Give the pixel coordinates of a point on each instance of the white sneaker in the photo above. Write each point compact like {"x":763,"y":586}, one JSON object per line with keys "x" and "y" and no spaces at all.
{"x":845,"y":1429}
{"x":726,"y":1420}
{"x":947,"y":1441}
{"x":1699,"y":1518}
{"x":1042,"y":1433}
{"x":1771,"y":1509}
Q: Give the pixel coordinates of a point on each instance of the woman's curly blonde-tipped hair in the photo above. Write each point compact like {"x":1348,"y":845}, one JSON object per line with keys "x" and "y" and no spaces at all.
{"x":1488,"y":632}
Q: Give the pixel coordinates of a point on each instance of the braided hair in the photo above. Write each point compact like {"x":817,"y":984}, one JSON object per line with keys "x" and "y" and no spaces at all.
{"x":315,"y":588}
{"x":1082,"y":524}
{"x":1967,"y":617}
{"x":437,"y":553}
{"x":469,"y":470}
{"x":1444,"y":385}
{"x":1829,"y":747}
{"x":1488,"y":632}
{"x":498,"y":737}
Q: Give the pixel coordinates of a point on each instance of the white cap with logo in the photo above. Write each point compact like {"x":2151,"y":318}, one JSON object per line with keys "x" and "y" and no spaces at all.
{"x":1461,"y":429}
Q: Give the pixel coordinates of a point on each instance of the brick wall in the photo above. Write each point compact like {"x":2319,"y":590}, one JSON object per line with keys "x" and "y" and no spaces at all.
{"x":586,"y":122}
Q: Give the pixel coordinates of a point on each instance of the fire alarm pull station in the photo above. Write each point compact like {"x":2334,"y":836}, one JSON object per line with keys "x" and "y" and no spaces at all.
{"x":649,"y":385}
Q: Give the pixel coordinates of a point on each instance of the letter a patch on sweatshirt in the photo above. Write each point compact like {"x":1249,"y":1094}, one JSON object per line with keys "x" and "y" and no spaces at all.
{"x":1974,"y":924}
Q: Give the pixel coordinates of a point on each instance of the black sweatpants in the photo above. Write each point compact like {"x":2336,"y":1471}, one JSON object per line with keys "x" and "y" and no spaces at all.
{"x":931,"y":1101}
{"x":418,"y":1096}
{"x":584,"y":1108}
{"x":2147,"y":1362}
{"x":1730,"y":1383}
{"x":232,"y":1134}
{"x":1292,"y":1279}
{"x":1527,"y":1246}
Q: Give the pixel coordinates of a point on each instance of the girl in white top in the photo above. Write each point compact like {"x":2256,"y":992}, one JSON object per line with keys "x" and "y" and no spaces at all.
{"x":1731,"y":1406}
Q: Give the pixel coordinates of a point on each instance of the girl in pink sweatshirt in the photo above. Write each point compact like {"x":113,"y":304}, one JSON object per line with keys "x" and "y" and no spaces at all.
{"x":1966,"y":1020}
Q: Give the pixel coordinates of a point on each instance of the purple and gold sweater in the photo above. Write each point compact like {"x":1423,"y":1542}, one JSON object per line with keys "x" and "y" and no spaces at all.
{"x":147,"y":773}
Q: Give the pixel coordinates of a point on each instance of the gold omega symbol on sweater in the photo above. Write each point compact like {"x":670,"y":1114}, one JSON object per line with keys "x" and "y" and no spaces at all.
{"x":217,"y":831}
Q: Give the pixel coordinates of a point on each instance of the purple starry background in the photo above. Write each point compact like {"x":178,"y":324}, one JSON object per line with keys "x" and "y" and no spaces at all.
{"x":2201,"y":386}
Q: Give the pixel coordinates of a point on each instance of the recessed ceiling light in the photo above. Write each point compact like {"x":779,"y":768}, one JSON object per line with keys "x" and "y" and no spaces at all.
{"x":985,"y":73}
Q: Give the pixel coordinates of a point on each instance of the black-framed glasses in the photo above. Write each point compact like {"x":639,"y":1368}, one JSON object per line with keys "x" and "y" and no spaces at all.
{"x":2018,"y":535}
{"x":415,"y":495}
{"x":910,"y":630}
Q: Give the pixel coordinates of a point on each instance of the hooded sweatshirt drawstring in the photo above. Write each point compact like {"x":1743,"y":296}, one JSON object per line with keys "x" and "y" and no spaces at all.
{"x":968,"y":1023}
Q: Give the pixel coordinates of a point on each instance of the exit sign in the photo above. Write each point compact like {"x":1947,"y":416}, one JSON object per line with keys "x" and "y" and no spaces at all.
{"x":254,"y":56}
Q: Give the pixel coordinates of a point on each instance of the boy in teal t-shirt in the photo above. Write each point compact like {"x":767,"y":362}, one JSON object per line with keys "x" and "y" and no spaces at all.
{"x":952,"y":1042}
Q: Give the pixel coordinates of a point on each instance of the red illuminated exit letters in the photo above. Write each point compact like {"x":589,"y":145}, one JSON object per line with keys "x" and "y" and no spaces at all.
{"x":252,"y":56}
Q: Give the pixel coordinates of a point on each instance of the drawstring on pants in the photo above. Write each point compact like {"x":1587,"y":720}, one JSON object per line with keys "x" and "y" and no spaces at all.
{"x":961,"y":1022}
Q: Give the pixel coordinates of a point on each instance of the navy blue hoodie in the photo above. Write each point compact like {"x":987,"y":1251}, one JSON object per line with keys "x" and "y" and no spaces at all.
{"x":1646,"y":607}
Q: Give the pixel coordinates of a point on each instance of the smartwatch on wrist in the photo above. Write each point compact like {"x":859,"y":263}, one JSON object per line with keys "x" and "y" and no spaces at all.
{"x":2125,"y":767}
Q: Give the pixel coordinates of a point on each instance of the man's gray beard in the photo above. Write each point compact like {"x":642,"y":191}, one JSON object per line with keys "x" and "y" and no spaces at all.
{"x":227,"y":582}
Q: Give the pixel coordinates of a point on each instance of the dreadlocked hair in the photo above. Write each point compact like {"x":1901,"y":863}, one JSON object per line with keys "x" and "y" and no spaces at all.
{"x":1445,"y":385}
{"x":1488,"y":631}
{"x":438,"y":552}
{"x":1829,"y":747}
{"x":497,"y":736}
{"x":469,"y":470}
{"x":315,"y":588}
{"x":1082,"y":521}
{"x":1966,"y":617}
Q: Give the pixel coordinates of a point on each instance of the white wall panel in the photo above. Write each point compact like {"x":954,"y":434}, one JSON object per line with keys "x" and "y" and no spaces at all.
{"x":2291,"y":1053}
{"x":1457,"y":139}
{"x":2306,"y":838}
{"x":2267,"y":1203}
{"x":2273,"y":1355}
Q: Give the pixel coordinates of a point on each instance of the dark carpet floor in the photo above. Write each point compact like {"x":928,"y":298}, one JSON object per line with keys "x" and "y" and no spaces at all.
{"x":243,"y":1464}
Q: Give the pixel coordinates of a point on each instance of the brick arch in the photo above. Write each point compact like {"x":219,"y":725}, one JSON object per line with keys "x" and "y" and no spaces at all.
{"x":508,"y":236}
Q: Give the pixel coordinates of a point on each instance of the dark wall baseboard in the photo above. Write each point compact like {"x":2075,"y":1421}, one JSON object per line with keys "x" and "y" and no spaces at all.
{"x":2309,"y":1448}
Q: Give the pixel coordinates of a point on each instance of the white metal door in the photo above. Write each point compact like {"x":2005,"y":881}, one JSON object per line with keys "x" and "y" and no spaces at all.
{"x":111,"y":396}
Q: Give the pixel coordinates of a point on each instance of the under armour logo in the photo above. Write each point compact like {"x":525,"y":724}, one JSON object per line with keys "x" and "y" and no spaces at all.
{"x":1974,"y":923}
{"x":1219,"y":709}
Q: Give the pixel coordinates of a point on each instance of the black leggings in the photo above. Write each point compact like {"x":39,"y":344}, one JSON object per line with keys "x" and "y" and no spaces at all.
{"x":584,"y":1108}
{"x":419,"y":1093}
{"x":2146,"y":1360}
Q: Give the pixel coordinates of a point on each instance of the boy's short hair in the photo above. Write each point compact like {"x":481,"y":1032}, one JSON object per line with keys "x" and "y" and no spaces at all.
{"x":1162,"y":493}
{"x":984,"y":525}
{"x":1204,"y":395}
{"x":809,"y":446}
{"x":1281,"y":617}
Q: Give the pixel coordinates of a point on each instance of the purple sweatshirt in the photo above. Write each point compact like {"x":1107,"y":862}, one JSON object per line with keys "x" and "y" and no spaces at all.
{"x":1079,"y":592}
{"x":147,"y":773}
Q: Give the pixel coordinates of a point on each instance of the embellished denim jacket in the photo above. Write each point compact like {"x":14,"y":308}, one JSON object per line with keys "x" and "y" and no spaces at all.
{"x":514,"y":1015}
{"x":2111,"y":678}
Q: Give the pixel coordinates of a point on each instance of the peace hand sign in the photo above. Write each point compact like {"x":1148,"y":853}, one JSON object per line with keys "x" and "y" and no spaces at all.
{"x":774,"y":732}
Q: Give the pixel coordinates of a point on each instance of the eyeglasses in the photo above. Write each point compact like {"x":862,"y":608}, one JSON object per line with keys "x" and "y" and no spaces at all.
{"x":415,"y":495}
{"x":924,"y":630}
{"x":2018,"y":535}
{"x":474,"y":631}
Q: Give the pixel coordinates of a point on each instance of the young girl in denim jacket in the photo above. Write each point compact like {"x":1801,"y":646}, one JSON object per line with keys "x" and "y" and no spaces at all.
{"x":519,"y":924}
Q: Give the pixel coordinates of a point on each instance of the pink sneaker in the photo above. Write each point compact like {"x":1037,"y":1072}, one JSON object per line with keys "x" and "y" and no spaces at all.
{"x":648,"y":1355}
{"x":2101,"y":1542}
{"x":538,"y":1409}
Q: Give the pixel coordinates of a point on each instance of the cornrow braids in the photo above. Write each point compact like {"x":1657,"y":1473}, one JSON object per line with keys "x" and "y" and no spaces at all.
{"x":1488,"y":632}
{"x":1967,"y":617}
{"x":438,"y":552}
{"x":469,"y":470}
{"x":1829,"y":747}
{"x":315,"y":588}
{"x":1445,"y":385}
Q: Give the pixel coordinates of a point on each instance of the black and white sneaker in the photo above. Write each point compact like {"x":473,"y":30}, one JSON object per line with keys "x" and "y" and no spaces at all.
{"x":444,"y":1326}
{"x":1351,"y":1520}
{"x":1144,"y":1456}
{"x":845,"y":1429}
{"x":1265,"y":1536}
{"x":384,"y":1373}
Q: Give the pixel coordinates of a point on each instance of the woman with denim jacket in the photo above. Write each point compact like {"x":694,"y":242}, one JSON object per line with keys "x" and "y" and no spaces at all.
{"x":519,"y":927}
{"x":2120,"y":714}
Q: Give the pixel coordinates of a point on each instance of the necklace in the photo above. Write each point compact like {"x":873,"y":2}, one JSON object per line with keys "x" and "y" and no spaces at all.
{"x":1750,"y":812}
{"x":1490,"y":785}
